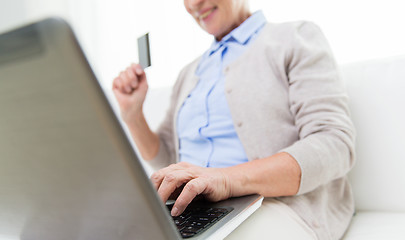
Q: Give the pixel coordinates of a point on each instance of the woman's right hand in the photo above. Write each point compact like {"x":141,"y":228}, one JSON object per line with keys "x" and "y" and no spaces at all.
{"x":130,"y":89}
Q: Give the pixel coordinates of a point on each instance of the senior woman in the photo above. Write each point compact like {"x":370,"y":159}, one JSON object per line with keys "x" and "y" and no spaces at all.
{"x":261,"y":111}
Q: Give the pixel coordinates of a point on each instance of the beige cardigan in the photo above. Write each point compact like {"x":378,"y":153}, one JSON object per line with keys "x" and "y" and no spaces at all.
{"x":285,"y":95}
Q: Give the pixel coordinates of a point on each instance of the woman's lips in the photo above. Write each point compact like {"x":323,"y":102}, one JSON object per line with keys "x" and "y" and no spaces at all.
{"x":205,"y":14}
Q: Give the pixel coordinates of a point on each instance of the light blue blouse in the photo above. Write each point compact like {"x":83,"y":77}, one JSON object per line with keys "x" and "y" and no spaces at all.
{"x":206,"y":132}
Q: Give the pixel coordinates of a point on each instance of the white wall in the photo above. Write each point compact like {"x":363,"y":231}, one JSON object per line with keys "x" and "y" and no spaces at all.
{"x":356,"y":29}
{"x":107,"y":30}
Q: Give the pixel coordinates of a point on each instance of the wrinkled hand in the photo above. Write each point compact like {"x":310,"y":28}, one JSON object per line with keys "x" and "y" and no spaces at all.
{"x":212,"y":183}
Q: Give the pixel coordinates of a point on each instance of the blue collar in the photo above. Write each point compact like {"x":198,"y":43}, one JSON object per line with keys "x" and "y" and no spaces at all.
{"x":243,"y":32}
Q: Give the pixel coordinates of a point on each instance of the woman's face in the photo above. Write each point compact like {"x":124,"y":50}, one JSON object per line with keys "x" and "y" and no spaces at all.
{"x":218,"y":17}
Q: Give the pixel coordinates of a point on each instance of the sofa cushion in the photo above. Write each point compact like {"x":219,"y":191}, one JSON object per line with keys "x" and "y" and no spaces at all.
{"x":372,"y":225}
{"x":156,"y":104}
{"x":377,"y":101}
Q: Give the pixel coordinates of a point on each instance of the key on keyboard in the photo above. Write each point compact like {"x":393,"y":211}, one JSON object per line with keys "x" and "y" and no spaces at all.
{"x":195,"y":220}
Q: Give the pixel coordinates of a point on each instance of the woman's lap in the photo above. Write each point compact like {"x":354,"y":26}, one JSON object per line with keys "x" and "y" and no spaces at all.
{"x":273,"y":220}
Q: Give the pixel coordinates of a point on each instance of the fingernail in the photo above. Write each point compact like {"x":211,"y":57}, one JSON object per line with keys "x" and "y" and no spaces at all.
{"x":129,"y":89}
{"x":175,"y":211}
{"x":139,"y":69}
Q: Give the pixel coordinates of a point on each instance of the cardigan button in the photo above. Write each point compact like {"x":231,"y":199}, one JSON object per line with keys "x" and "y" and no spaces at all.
{"x":226,"y":70}
{"x":315,"y":224}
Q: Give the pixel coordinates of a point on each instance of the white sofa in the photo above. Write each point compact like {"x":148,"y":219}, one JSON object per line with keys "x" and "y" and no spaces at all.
{"x":377,"y":99}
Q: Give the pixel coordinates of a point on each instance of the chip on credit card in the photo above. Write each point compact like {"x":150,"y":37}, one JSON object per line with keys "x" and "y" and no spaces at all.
{"x":144,"y":51}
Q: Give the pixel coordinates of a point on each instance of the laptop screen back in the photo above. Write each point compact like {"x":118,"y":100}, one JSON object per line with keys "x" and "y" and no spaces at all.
{"x":67,"y":170}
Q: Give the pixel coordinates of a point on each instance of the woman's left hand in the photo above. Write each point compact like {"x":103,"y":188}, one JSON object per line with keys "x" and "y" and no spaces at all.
{"x":212,"y":183}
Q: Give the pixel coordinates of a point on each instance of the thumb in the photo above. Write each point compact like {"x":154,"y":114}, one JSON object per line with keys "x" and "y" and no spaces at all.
{"x":137,"y":68}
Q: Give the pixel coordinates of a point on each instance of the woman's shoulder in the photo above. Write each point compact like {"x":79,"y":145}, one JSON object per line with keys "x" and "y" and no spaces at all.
{"x":286,"y":33}
{"x":290,"y":27}
{"x":186,"y":72}
{"x":190,"y":68}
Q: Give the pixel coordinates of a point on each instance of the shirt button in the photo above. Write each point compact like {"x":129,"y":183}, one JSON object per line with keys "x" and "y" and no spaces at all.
{"x":229,"y":90}
{"x":239,"y":124}
{"x":226,"y":69}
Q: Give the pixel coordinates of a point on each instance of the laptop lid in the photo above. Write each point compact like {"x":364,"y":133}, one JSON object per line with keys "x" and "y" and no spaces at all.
{"x":67,"y":169}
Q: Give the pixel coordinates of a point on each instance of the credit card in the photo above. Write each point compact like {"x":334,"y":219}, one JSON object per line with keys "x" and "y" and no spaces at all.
{"x":144,"y":51}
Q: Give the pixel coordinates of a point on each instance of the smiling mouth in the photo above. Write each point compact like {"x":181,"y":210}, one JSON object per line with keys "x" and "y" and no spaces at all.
{"x":206,"y":14}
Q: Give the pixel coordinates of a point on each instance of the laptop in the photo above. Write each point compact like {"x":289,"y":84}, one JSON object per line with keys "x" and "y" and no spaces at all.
{"x":67,"y":168}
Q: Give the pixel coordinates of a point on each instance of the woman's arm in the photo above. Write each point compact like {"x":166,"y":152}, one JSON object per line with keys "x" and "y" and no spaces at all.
{"x":145,"y":139}
{"x":130,"y":89}
{"x":274,"y":176}
{"x":319,"y":104}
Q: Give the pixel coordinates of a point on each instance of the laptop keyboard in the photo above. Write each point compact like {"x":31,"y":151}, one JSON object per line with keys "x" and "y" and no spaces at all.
{"x":195,"y":220}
